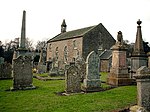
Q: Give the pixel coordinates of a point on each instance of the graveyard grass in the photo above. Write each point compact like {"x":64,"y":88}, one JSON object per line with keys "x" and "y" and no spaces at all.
{"x":45,"y":99}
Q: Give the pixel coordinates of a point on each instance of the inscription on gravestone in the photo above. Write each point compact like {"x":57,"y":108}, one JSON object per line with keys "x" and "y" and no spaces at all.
{"x":73,"y":82}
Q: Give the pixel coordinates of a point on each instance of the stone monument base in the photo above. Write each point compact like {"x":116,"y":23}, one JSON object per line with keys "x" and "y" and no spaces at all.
{"x":92,"y":85}
{"x":115,"y":81}
{"x":22,"y":88}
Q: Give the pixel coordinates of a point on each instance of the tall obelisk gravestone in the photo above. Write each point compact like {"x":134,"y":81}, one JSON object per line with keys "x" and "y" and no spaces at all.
{"x":22,"y":48}
{"x":138,"y":57}
{"x":22,"y":65}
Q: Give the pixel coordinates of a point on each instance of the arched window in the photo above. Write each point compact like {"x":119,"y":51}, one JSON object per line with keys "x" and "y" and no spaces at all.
{"x":50,"y":47}
{"x":56,"y":53}
{"x":65,"y":54}
{"x":74,"y":44}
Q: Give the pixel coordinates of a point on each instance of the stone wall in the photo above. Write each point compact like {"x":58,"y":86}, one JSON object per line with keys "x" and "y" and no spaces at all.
{"x":72,"y":52}
{"x":97,"y":38}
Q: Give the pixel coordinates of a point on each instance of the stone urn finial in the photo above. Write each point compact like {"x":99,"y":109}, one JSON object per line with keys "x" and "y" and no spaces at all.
{"x":119,"y":36}
{"x":139,"y":22}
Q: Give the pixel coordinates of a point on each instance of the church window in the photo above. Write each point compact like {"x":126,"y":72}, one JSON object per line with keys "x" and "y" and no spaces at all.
{"x":50,"y":47}
{"x":74,"y":44}
{"x":56,"y":53}
{"x":65,"y":54}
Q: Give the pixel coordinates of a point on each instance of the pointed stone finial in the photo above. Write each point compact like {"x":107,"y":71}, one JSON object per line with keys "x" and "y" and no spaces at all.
{"x":63,"y":26}
{"x":138,"y":47}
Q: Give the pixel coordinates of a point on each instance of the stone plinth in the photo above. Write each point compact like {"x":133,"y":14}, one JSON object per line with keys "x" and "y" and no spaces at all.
{"x":92,"y":81}
{"x":143,"y":87}
{"x":119,"y":75}
{"x":22,"y":73}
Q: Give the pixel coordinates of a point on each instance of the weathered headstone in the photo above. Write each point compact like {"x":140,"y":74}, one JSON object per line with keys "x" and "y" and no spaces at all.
{"x":22,"y":73}
{"x":5,"y":71}
{"x":92,"y":80}
{"x":55,"y":68}
{"x":143,"y":87}
{"x":80,"y":63}
{"x":73,"y":80}
{"x":41,"y":68}
{"x":119,"y":75}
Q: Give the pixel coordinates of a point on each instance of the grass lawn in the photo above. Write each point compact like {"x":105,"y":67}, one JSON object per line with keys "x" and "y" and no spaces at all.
{"x":44,"y":99}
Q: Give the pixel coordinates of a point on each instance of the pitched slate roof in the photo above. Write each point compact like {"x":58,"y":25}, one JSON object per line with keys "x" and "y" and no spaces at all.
{"x":71,"y":34}
{"x":106,"y":54}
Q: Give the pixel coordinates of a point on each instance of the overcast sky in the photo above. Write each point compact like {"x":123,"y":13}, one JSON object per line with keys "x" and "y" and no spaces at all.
{"x":44,"y":17}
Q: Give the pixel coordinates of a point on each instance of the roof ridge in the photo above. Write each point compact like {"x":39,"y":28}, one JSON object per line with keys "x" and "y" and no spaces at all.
{"x":82,"y":28}
{"x":72,"y":33}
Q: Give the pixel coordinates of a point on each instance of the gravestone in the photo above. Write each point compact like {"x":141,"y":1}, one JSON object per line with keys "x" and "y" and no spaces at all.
{"x":138,"y":56}
{"x":92,"y":80}
{"x":80,"y":63}
{"x":143,"y":87}
{"x":55,"y":67}
{"x":119,"y":75}
{"x":73,"y":80}
{"x":22,"y":73}
{"x":41,"y":68}
{"x":5,"y":71}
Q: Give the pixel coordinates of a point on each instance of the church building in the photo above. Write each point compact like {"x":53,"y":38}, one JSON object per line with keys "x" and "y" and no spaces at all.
{"x":67,"y":46}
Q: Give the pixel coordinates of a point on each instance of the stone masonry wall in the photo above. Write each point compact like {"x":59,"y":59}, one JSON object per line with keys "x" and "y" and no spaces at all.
{"x":72,"y":53}
{"x":97,"y":38}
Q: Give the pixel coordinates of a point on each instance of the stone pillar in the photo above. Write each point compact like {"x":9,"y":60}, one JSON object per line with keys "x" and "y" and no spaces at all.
{"x":143,"y":87}
{"x":138,"y":57}
{"x":22,"y":48}
{"x":119,"y":75}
